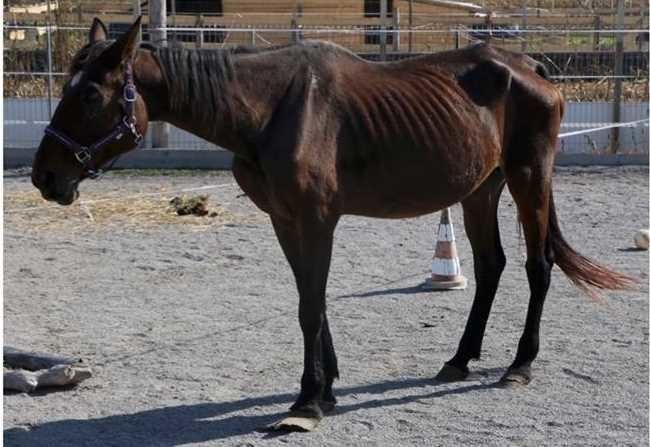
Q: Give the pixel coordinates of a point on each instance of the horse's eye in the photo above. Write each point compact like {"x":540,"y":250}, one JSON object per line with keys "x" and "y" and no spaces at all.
{"x":90,"y":95}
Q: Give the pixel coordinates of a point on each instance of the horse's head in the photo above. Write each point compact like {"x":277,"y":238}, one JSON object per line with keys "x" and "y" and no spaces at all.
{"x":99,"y":117}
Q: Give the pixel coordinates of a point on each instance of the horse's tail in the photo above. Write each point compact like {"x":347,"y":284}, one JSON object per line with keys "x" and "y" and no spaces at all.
{"x":583,"y":272}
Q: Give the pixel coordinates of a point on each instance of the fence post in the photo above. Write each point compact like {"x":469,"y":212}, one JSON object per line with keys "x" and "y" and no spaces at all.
{"x":410,"y":26}
{"x":158,"y":35}
{"x":174,"y":36}
{"x":524,"y":25}
{"x":50,"y":83}
{"x":200,"y":37}
{"x":618,"y":73}
{"x":596,"y":45}
{"x":396,"y":30}
{"x":642,"y":16}
{"x":137,"y":11}
{"x":383,"y":6}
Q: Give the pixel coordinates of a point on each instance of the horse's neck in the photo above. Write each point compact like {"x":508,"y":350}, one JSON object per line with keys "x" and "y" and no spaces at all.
{"x":229,"y":108}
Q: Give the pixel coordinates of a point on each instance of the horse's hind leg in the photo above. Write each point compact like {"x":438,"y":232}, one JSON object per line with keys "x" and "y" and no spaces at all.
{"x":529,"y":181}
{"x":330,"y":367}
{"x":481,"y":226}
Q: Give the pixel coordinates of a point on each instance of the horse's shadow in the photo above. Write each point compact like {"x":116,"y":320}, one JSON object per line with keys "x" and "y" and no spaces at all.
{"x":420,"y":288}
{"x":185,"y":424}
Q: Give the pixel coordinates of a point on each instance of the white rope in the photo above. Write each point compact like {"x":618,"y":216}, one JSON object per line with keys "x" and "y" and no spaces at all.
{"x":359,"y":30}
{"x":133,"y":196}
{"x":595,"y":129}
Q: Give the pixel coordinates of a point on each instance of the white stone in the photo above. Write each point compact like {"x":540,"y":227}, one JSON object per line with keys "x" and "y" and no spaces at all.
{"x":642,"y":239}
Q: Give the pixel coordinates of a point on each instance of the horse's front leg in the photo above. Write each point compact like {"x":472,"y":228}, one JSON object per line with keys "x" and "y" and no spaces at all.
{"x":307,"y":244}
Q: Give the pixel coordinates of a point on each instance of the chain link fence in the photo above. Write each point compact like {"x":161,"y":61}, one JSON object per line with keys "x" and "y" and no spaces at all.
{"x":598,"y":66}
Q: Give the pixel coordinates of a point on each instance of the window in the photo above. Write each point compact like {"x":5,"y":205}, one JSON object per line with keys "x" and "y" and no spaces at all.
{"x":371,"y":8}
{"x":214,"y":7}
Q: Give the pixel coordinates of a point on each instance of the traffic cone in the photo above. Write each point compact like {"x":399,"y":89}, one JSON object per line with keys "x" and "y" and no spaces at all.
{"x":445,"y":270}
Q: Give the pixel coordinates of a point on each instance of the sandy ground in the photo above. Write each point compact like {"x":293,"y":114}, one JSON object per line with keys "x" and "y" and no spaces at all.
{"x":190,"y":324}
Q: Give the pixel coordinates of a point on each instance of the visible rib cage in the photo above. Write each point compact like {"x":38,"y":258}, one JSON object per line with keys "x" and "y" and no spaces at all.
{"x":396,"y":106}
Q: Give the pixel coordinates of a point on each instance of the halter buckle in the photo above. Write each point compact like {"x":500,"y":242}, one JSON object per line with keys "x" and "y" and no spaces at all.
{"x":130,"y":93}
{"x":130,"y":124}
{"x":83,"y":155}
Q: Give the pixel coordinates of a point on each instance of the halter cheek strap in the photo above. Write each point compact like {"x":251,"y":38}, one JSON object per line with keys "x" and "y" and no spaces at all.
{"x":85,"y":154}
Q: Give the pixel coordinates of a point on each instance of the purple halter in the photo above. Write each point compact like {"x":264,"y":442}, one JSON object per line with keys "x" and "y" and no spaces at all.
{"x":84,"y":154}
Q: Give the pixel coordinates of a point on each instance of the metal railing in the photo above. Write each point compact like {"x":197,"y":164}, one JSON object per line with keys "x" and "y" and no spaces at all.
{"x":603,"y":73}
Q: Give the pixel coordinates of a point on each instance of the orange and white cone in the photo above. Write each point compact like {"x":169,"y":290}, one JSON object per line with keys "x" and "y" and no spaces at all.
{"x":445,"y":270}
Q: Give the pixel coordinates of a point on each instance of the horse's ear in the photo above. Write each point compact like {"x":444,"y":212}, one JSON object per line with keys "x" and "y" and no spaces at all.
{"x":124,"y":48}
{"x":98,"y":31}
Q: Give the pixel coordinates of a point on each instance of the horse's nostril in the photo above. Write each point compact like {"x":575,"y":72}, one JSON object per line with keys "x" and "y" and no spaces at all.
{"x":41,"y":179}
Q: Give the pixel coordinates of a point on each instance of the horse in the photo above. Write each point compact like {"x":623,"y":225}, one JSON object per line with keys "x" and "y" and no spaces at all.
{"x":316,"y":133}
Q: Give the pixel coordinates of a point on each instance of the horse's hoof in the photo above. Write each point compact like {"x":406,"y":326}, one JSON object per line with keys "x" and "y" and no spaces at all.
{"x":516,"y":377}
{"x":327,"y":406}
{"x":451,"y":373}
{"x":297,"y":421}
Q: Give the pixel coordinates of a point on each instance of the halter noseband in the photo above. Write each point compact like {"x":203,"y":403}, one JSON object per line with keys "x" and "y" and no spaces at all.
{"x":84,"y":154}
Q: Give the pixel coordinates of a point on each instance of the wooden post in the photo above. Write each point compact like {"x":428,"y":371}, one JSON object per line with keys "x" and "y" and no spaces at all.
{"x":137,"y":11}
{"x":596,"y":45}
{"x":158,"y":20}
{"x":524,"y":25}
{"x":410,"y":26}
{"x":643,"y":12}
{"x":50,"y":81}
{"x":200,"y":37}
{"x":618,"y":73}
{"x":174,"y":36}
{"x":383,"y":12}
{"x":396,"y":33}
{"x":293,"y":35}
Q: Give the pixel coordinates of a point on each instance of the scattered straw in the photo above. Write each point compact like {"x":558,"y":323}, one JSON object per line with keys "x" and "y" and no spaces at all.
{"x":144,"y":211}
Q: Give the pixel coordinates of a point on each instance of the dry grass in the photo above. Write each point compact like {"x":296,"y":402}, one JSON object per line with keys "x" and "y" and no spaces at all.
{"x":603,"y":90}
{"x":27,"y":210}
{"x":29,"y":86}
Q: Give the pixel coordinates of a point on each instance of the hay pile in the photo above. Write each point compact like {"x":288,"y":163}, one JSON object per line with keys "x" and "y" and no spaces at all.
{"x":26,"y":209}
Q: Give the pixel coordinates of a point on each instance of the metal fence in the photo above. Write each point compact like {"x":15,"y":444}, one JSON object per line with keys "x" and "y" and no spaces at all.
{"x":602,"y":72}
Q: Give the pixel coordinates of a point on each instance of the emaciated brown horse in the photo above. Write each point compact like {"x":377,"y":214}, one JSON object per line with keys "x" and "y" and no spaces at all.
{"x":316,"y":133}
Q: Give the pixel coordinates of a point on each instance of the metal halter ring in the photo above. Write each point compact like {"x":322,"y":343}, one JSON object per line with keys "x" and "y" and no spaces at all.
{"x":130,"y":94}
{"x":83,"y":156}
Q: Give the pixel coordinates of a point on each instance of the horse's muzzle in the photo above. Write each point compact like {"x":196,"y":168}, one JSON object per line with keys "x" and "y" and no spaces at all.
{"x":63,"y":192}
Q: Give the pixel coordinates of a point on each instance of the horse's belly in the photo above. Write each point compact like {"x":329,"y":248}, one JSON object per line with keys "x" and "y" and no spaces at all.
{"x":399,"y":188}
{"x":422,"y":198}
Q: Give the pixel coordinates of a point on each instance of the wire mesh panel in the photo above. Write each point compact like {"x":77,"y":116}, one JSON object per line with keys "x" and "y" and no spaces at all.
{"x":578,"y":45}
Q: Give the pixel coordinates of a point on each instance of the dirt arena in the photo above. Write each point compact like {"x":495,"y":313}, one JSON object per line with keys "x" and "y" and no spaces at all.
{"x":190,"y":323}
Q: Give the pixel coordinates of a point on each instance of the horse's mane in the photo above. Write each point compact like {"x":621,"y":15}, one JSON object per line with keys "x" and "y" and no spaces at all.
{"x":197,"y":79}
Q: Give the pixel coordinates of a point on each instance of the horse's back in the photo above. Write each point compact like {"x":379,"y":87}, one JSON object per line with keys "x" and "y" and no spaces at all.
{"x":412,"y":140}
{"x":407,"y":138}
